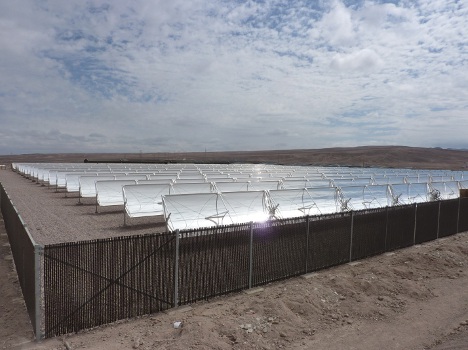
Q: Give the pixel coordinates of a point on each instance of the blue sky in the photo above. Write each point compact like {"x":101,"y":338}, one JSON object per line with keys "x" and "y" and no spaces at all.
{"x":161,"y":76}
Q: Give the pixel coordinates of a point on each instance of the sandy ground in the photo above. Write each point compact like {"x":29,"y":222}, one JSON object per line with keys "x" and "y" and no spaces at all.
{"x":55,"y":217}
{"x":415,"y":298}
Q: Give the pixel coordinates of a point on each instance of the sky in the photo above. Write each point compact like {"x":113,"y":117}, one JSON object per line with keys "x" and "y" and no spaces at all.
{"x":227,"y":75}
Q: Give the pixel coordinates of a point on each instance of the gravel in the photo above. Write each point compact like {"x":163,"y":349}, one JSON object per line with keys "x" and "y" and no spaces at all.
{"x":57,"y":217}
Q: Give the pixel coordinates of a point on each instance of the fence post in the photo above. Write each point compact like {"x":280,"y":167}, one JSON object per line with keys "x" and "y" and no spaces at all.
{"x":415,"y":222}
{"x":351,"y":241}
{"x":307,"y":246}
{"x":458,"y":214}
{"x":38,"y":252}
{"x":386,"y":228}
{"x":438,"y":221}
{"x":176,"y":270}
{"x":251,"y":255}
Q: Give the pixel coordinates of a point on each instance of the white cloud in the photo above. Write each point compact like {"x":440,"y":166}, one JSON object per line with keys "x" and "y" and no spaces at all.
{"x":159,"y":75}
{"x":338,"y":27}
{"x":362,"y":60}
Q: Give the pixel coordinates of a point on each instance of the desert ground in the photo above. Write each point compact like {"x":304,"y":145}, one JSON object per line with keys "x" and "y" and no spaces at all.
{"x":415,"y":298}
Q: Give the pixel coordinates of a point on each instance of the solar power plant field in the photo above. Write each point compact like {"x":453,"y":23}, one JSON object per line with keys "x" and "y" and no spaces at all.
{"x":191,"y":196}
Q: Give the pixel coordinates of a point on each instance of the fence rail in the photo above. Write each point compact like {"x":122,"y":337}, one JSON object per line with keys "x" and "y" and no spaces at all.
{"x":89,"y":283}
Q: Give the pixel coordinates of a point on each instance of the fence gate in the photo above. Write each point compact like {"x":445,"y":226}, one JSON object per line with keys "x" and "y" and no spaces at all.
{"x":97,"y":282}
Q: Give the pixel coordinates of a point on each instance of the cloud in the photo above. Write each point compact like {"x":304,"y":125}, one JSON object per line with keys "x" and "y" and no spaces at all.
{"x":178,"y":75}
{"x":362,"y":60}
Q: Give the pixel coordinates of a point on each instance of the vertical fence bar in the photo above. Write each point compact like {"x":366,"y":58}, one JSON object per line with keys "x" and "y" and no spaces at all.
{"x":438,"y":221}
{"x":307,"y":246}
{"x":386,"y":228}
{"x":415,"y":222}
{"x":251,"y":255}
{"x":38,"y":252}
{"x":176,"y":270}
{"x":458,"y":213}
{"x":351,"y":240}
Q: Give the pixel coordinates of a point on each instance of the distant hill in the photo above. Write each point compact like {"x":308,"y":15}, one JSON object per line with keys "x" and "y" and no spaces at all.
{"x":366,"y":156}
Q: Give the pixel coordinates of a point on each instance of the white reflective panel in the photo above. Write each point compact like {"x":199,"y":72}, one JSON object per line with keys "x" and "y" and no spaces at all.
{"x":221,"y":179}
{"x":396,"y":179}
{"x":399,"y":194}
{"x":136,"y":177}
{"x":343,"y":182}
{"x":424,"y":178}
{"x":376,"y":196}
{"x":50,"y":176}
{"x":379,"y":180}
{"x":351,"y":198}
{"x":240,"y":176}
{"x":300,"y":202}
{"x":415,"y":180}
{"x":443,"y":190}
{"x":245,"y":207}
{"x":457,"y":176}
{"x":189,"y":181}
{"x":43,"y":174}
{"x":72,"y":181}
{"x":53,"y":177}
{"x":192,"y":187}
{"x":263,"y":185}
{"x":217,"y":175}
{"x":441,"y":177}
{"x":188,"y":211}
{"x":144,"y":199}
{"x":463,"y":184}
{"x":143,"y":172}
{"x":194,"y":178}
{"x":418,"y":192}
{"x":61,"y":180}
{"x":163,"y":176}
{"x":361,"y":181}
{"x":452,"y":189}
{"x":155,"y":182}
{"x":278,"y":175}
{"x":110,"y":192}
{"x":252,"y":179}
{"x":304,"y":183}
{"x":272,"y":178}
{"x":88,"y":184}
{"x":232,"y":186}
{"x":325,"y":198}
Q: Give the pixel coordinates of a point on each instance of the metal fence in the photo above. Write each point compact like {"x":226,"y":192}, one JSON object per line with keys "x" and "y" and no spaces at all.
{"x":90,"y":283}
{"x":27,"y":259}
{"x":101,"y":281}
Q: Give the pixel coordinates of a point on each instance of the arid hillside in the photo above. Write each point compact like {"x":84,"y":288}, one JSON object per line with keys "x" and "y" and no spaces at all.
{"x":368,"y":156}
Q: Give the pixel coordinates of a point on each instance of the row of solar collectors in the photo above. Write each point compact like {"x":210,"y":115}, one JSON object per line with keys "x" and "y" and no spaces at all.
{"x":182,"y":210}
{"x":88,"y":186}
{"x":224,"y":208}
{"x":199,"y":173}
